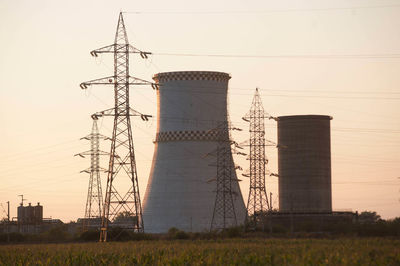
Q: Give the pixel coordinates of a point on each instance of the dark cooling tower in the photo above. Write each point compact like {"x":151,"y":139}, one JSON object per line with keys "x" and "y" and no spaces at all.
{"x":304,"y":162}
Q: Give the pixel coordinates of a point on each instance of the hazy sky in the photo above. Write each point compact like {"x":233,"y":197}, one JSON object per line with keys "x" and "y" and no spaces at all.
{"x":44,"y":56}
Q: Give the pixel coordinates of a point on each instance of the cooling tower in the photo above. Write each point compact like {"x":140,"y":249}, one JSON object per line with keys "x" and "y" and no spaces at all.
{"x":181,"y":189}
{"x":304,"y":162}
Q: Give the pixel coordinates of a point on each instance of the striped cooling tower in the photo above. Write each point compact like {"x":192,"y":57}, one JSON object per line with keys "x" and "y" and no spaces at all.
{"x":181,"y":192}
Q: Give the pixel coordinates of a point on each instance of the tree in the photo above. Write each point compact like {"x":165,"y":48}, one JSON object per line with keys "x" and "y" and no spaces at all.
{"x":369,"y":217}
{"x":125,"y":218}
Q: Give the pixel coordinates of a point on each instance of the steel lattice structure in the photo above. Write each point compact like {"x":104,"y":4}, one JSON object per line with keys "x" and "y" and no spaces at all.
{"x":122,"y":207}
{"x":224,"y":215}
{"x":258,"y":202}
{"x":94,"y":202}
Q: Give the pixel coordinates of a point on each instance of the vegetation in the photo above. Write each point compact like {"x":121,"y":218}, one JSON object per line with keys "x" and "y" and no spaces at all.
{"x":368,"y":251}
{"x":369,"y":226}
{"x":332,"y":244}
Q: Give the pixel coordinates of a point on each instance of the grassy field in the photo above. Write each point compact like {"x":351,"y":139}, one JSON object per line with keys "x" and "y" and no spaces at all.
{"x":368,"y":251}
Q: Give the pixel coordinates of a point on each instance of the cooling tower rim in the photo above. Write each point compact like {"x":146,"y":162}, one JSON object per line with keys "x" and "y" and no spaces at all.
{"x":298,"y":117}
{"x":191,"y":75}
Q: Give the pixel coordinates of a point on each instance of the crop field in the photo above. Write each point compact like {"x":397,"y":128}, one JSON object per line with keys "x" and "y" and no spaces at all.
{"x":368,"y":251}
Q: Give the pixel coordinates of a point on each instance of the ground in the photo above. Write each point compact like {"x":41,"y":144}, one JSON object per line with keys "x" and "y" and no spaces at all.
{"x":346,"y":251}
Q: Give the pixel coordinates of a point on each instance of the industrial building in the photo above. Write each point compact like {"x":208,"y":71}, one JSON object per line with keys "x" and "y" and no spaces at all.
{"x":181,"y":190}
{"x":30,"y":214}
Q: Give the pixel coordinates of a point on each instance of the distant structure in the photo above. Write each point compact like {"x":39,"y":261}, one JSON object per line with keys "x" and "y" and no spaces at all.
{"x":122,"y":206}
{"x":191,"y":105}
{"x":257,"y":203}
{"x":29,"y":218}
{"x":31,"y":215}
{"x":94,"y":201}
{"x":304,"y":163}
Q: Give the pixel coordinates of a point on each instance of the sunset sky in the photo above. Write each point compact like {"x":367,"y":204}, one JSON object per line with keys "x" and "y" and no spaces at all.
{"x":339,"y":58}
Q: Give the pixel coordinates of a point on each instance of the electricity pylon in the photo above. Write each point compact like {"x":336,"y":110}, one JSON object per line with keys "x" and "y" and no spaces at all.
{"x":258,"y":200}
{"x":94,"y":202}
{"x":224,"y":214}
{"x":122,"y":207}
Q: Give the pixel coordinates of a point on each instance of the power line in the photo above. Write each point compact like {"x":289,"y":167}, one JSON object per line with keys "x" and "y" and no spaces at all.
{"x":333,"y":97}
{"x":259,"y":11}
{"x":368,"y":130}
{"x":298,"y":91}
{"x":295,"y":95}
{"x":321,"y":56}
{"x":28,"y":154}
{"x":18,"y":154}
{"x":184,"y":120}
{"x":35,"y":155}
{"x":326,"y":91}
{"x":285,"y":90}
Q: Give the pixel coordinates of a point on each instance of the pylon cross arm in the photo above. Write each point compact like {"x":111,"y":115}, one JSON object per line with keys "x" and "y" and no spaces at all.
{"x":100,"y":81}
{"x":91,"y":152}
{"x":111,"y":112}
{"x":138,"y":81}
{"x":114,"y":48}
{"x":112,"y":80}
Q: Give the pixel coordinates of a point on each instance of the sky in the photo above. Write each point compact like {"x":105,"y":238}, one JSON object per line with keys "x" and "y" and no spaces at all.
{"x":338,"y":58}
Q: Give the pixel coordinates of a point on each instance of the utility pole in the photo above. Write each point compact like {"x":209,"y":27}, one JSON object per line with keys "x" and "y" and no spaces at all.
{"x":22,"y":199}
{"x":122,"y":207}
{"x":94,"y":200}
{"x":258,"y":203}
{"x":224,"y":215}
{"x":8,"y":221}
{"x":8,"y":211}
{"x":270,"y":201}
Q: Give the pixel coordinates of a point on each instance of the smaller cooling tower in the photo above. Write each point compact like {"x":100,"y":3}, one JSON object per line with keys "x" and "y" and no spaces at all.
{"x":304,"y":162}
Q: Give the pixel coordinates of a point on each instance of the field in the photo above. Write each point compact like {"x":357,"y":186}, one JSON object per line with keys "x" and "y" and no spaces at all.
{"x":357,"y":251}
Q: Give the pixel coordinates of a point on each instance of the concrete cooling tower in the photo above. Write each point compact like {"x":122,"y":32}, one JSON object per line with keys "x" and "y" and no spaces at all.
{"x":304,"y":162}
{"x":179,"y":192}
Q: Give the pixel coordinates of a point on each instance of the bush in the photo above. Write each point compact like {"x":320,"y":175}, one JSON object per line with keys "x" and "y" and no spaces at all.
{"x":141,"y":236}
{"x":121,"y":234}
{"x":118,"y":234}
{"x":174,"y":233}
{"x":13,"y":237}
{"x":182,"y":235}
{"x":233,"y":232}
{"x":58,"y":233}
{"x":90,"y":235}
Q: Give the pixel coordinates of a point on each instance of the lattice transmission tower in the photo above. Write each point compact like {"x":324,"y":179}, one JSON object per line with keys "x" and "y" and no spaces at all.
{"x":94,"y":201}
{"x":258,"y":202}
{"x":122,"y":206}
{"x":224,"y":214}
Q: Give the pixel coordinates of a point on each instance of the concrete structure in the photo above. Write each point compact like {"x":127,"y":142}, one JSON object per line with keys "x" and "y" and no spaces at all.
{"x":179,"y":193}
{"x":30,"y":214}
{"x":30,"y":218}
{"x":306,"y":222}
{"x":304,"y":163}
{"x":38,"y":213}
